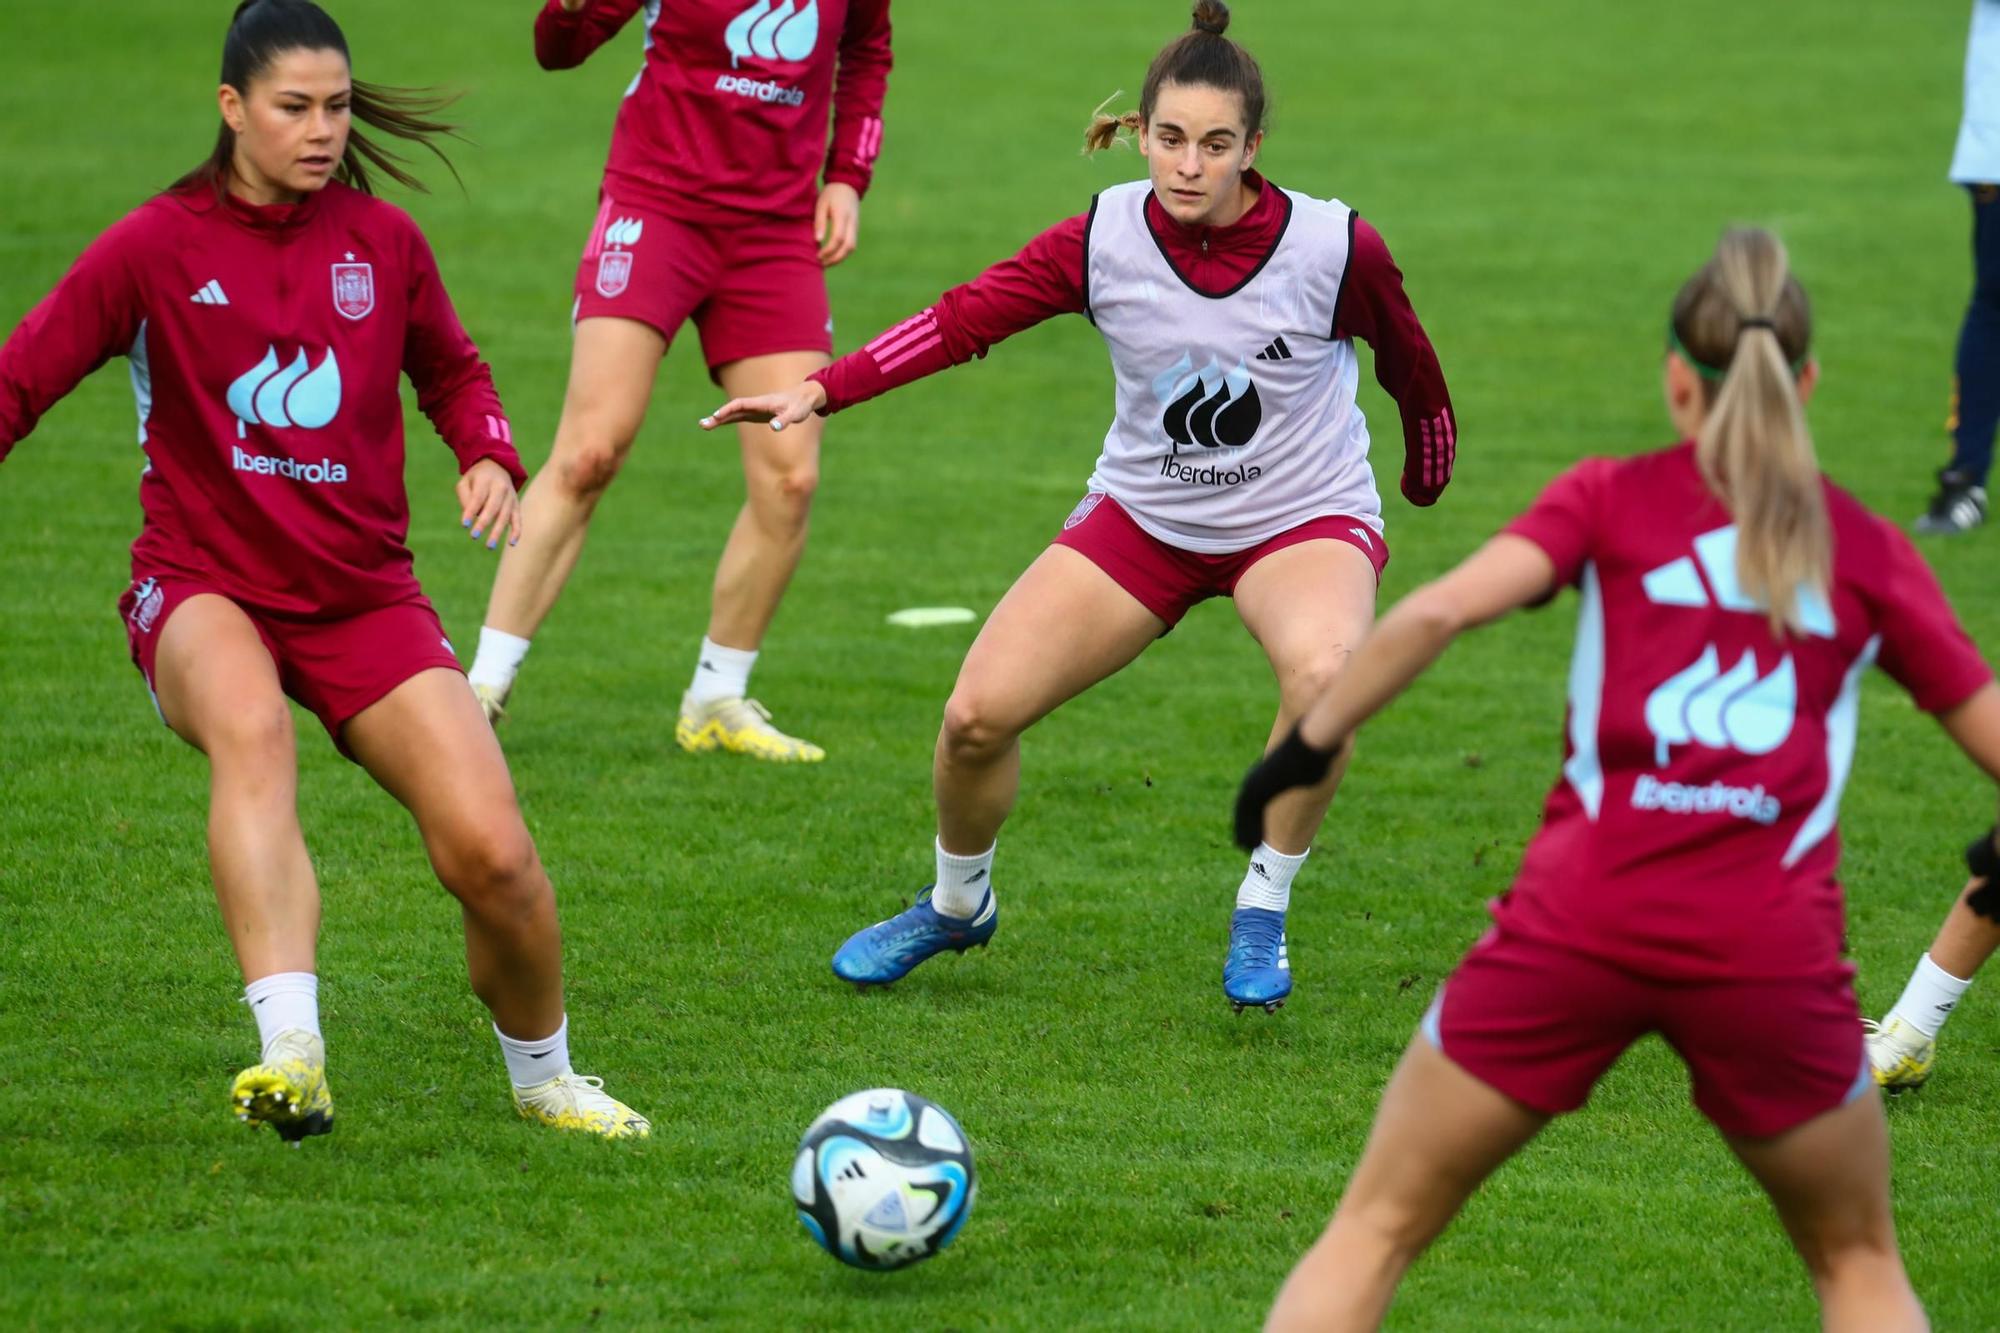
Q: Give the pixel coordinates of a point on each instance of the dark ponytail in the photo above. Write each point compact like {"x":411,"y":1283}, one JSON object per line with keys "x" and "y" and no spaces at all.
{"x":261,"y":31}
{"x":1203,"y":56}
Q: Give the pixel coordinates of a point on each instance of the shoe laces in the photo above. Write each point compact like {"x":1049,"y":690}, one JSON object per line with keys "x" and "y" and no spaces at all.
{"x":1257,"y":940}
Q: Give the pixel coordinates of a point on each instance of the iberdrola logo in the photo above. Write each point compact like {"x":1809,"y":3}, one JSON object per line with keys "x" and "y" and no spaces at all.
{"x":1214,"y":408}
{"x":769,"y":32}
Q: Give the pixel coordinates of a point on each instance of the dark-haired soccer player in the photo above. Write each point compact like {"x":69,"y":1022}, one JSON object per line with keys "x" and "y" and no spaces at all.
{"x":269,"y":305}
{"x":1237,"y":466}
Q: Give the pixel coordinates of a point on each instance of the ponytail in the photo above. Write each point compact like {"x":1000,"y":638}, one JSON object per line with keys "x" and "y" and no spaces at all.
{"x":263,"y":30}
{"x":1203,"y":56}
{"x":1745,"y":326}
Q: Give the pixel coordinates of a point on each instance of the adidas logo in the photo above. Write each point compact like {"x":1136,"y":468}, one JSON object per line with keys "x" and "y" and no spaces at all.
{"x":1677,"y":583}
{"x":210,"y":294}
{"x":1277,"y":351}
{"x":624,"y":231}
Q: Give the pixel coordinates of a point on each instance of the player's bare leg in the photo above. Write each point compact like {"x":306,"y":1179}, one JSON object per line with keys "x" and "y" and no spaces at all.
{"x":612,"y":366}
{"x":1308,"y":606}
{"x":1438,"y":1133}
{"x":1829,"y":1180}
{"x":780,"y":474}
{"x":428,"y":745}
{"x":218,"y":689}
{"x":1062,"y":627}
{"x":1902,"y":1048}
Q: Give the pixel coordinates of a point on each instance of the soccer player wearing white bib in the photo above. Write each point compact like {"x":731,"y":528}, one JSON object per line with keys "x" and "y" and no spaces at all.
{"x":1236,"y":465}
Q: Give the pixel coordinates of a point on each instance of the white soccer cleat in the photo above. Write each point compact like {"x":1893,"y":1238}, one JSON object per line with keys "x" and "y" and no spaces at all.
{"x":492,"y":702}
{"x":1900,"y":1056}
{"x":578,"y":1101}
{"x":740,"y":726}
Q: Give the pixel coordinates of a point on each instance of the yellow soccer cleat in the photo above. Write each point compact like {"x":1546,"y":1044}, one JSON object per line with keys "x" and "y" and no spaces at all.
{"x":739,"y":726}
{"x":287,"y":1089}
{"x":1900,"y":1055}
{"x":578,"y":1101}
{"x":492,"y":702}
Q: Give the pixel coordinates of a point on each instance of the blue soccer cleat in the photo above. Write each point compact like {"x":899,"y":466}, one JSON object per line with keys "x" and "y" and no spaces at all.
{"x":1258,"y":972}
{"x":888,"y":950}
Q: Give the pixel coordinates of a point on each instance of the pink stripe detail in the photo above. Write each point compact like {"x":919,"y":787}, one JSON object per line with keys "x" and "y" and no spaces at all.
{"x":498,"y":428}
{"x":910,"y":352}
{"x":1450,"y":443}
{"x":1425,"y":475}
{"x":916,"y":326}
{"x":596,"y":241}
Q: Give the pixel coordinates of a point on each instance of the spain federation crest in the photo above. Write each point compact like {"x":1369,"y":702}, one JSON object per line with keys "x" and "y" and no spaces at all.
{"x":354,"y":289}
{"x":614,"y":272}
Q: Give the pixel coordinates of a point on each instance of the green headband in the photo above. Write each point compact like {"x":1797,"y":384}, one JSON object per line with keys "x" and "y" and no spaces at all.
{"x":1708,"y":372}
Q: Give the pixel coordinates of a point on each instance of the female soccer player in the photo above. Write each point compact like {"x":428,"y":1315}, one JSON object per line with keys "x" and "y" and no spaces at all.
{"x":1237,"y":465}
{"x":1683,"y":879}
{"x":267,"y":303}
{"x":710,"y":210}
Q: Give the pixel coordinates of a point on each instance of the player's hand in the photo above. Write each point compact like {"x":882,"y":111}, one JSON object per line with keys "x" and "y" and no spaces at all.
{"x":836,"y":222}
{"x":571,"y":6}
{"x":489,"y":503}
{"x":1293,"y":762}
{"x":780,"y":409}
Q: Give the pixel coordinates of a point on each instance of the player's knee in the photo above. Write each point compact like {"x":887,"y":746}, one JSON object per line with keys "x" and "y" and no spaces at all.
{"x":254,"y":735}
{"x":787,"y":492}
{"x":586,"y":469}
{"x":494,"y":871}
{"x":1846,"y":1244}
{"x":1315,"y":676}
{"x":973,"y":730}
{"x":1392,"y":1226}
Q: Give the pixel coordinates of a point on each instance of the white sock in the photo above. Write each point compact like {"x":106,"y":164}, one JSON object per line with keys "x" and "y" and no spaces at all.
{"x":1929,"y":998}
{"x":1267,"y":882}
{"x":499,"y":658}
{"x":721,"y":673}
{"x":282,"y":1001}
{"x":962,"y":882}
{"x":532,"y":1062}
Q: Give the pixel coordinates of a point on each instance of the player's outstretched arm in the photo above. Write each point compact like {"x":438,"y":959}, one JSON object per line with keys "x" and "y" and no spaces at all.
{"x":784,"y":409}
{"x":1507,"y":573}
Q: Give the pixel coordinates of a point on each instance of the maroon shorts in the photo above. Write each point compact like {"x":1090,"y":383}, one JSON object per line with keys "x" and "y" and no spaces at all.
{"x":1167,"y":580}
{"x":753,"y":288}
{"x":1542,"y":1024}
{"x":335,"y":668}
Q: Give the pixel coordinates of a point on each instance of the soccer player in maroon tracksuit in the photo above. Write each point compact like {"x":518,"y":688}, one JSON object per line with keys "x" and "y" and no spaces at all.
{"x":712,"y":209}
{"x":1683,"y":881}
{"x":1237,"y":465}
{"x":267,"y":304}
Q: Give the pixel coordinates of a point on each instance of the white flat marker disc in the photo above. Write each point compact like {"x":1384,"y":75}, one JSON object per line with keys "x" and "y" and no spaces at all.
{"x":920,"y":617}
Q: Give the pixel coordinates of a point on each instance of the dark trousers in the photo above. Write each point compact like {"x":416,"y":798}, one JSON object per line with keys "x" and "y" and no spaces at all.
{"x":1978,"y":366}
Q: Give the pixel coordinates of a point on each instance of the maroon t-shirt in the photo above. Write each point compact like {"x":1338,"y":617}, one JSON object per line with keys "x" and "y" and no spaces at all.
{"x":267,"y":349}
{"x":1692,"y":833}
{"x":728,"y":113}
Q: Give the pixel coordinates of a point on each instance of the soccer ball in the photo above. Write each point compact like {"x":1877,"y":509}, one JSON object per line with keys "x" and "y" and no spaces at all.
{"x":883,"y":1179}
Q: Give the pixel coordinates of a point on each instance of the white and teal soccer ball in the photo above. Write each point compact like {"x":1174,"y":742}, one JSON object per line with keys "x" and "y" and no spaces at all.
{"x":883,"y":1179}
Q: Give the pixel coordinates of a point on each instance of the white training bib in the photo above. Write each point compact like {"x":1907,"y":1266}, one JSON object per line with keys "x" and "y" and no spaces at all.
{"x":1236,"y":418}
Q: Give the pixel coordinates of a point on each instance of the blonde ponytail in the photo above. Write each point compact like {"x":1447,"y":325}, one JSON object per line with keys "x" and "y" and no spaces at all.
{"x":1744,"y":324}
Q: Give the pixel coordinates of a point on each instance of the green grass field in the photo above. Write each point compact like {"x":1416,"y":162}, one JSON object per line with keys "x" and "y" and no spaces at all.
{"x":1547,"y":171}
